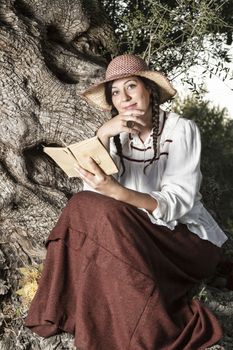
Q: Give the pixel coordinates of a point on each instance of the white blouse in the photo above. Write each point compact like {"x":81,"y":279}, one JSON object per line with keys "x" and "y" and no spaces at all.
{"x":173,"y":178}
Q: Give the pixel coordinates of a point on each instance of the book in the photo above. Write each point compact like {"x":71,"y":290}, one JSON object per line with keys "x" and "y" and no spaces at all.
{"x":79,"y":152}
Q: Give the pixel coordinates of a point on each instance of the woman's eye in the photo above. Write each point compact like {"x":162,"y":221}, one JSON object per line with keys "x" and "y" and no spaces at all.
{"x":114,"y":93}
{"x":131,"y":86}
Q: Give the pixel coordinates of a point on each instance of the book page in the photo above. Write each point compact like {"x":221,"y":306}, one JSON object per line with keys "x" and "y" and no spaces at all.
{"x":93,"y":148}
{"x":80,"y":152}
{"x":63,"y":157}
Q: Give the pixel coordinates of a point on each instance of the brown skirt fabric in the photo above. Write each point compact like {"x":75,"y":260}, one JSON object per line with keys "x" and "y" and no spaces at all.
{"x":118,"y":282}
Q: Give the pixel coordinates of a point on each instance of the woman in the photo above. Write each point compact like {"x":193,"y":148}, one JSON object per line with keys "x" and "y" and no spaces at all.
{"x":123,"y":256}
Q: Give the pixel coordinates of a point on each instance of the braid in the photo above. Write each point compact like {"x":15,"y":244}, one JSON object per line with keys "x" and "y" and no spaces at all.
{"x":116,"y":138}
{"x":155,"y":120}
{"x":155,"y":99}
{"x":118,"y":145}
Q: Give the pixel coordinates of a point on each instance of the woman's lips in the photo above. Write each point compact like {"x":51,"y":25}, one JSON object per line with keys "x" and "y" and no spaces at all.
{"x":133,"y":106}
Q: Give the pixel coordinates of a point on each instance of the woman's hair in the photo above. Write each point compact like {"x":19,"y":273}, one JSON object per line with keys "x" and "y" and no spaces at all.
{"x":155,"y":98}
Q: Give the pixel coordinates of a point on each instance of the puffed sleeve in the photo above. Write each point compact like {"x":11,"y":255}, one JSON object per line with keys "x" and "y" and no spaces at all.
{"x":182,"y":177}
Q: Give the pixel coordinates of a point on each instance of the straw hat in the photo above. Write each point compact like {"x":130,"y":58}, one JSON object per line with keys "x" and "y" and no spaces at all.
{"x":124,"y":66}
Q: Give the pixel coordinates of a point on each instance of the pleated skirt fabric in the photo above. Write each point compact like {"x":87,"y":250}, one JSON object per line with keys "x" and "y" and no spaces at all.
{"x":118,"y":282}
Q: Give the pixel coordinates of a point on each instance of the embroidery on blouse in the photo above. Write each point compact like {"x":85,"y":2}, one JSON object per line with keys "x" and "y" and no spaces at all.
{"x":149,"y":160}
{"x":151,"y":134}
{"x":141,"y":149}
{"x":146,"y":160}
{"x":155,"y":158}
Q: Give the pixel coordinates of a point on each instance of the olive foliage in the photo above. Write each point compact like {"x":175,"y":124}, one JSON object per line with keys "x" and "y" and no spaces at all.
{"x":174,"y":35}
{"x":217,"y":156}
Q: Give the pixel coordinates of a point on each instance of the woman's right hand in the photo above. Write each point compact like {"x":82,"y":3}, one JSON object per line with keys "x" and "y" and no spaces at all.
{"x":118,"y":124}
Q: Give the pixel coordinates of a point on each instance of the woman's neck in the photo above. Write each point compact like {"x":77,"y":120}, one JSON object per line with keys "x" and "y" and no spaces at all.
{"x":146,"y":130}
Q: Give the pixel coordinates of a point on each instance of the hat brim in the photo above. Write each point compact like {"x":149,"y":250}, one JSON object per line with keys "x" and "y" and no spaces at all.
{"x":96,"y":93}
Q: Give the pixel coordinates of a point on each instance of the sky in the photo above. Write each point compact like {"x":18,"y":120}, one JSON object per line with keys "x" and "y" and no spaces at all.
{"x":220,"y":93}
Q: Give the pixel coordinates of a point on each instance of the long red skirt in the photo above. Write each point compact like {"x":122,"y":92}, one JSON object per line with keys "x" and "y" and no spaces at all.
{"x":118,"y":282}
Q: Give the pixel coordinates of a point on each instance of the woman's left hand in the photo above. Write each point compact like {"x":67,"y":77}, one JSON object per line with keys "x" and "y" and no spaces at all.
{"x":98,"y":180}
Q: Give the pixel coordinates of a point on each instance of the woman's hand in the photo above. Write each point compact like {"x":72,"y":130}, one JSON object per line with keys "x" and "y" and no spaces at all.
{"x":97,"y":179}
{"x":108,"y":186}
{"x":118,"y":124}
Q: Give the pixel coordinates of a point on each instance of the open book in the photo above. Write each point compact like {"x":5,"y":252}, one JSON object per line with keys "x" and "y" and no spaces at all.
{"x":79,"y":152}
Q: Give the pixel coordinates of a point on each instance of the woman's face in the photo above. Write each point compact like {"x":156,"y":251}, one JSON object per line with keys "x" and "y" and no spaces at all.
{"x":129,"y":94}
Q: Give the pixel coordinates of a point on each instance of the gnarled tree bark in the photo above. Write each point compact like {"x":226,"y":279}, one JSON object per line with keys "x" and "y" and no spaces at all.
{"x":49,"y":51}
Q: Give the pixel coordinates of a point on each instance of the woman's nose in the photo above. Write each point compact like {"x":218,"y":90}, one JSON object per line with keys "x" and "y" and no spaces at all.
{"x":125,"y":96}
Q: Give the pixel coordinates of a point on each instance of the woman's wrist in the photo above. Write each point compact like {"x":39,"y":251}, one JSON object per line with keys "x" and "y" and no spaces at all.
{"x":110,"y":188}
{"x":103,"y":137}
{"x":137,"y":199}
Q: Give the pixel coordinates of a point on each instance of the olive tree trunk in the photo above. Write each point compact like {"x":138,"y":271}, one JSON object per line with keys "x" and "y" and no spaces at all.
{"x":50,"y":51}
